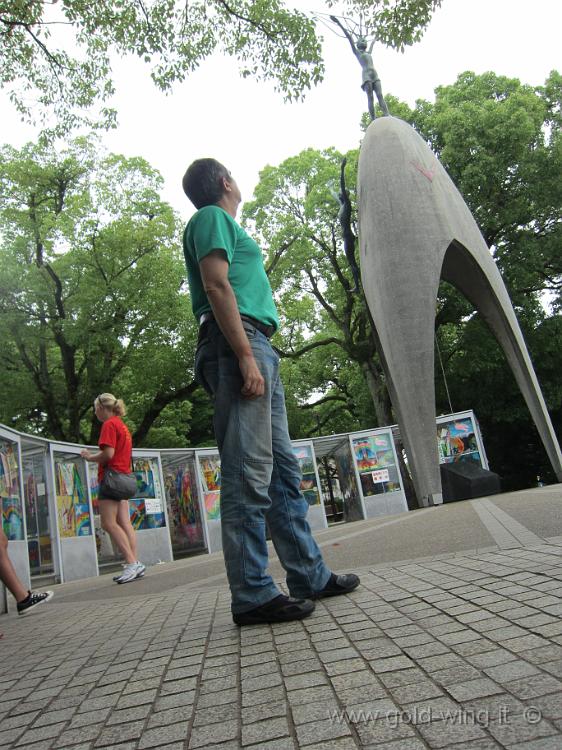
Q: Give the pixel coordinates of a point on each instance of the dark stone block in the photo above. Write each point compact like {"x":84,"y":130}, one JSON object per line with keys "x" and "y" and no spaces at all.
{"x":466,"y":479}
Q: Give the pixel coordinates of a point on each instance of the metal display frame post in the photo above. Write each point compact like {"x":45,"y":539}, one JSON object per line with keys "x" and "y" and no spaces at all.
{"x":212,"y":532}
{"x":316,"y":515}
{"x":394,"y":501}
{"x":77,"y":554}
{"x":154,"y":544}
{"x":17,"y":548}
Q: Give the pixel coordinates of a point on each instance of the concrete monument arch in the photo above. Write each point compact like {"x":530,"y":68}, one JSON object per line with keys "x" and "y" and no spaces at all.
{"x":415,"y":228}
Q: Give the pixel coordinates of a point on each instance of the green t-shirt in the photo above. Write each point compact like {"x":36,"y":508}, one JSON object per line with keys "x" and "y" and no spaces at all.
{"x":212,"y":228}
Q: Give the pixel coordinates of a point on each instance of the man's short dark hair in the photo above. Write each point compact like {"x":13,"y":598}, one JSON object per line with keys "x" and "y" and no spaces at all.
{"x":202,"y":183}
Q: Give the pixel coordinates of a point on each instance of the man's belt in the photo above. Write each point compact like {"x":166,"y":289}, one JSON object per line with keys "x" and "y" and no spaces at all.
{"x":267,"y":331}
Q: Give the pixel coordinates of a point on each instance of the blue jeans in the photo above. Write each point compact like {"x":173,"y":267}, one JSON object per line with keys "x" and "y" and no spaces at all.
{"x":260,"y":476}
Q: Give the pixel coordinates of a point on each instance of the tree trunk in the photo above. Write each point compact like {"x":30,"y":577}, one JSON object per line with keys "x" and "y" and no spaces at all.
{"x":383,"y":410}
{"x":378,"y":392}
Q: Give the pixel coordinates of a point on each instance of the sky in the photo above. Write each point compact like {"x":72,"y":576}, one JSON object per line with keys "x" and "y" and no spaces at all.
{"x":246,"y":125}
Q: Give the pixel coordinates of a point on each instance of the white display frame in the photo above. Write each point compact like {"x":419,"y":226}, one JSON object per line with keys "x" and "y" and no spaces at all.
{"x":211,"y":527}
{"x":395,"y":501}
{"x":154,"y":545}
{"x":187,"y":454}
{"x":17,"y":548}
{"x":468,"y":414}
{"x":67,"y":551}
{"x":316,"y":515}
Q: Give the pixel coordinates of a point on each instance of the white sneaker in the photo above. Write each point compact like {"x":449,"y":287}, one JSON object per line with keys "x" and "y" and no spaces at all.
{"x":129,"y":574}
{"x":141,"y":569}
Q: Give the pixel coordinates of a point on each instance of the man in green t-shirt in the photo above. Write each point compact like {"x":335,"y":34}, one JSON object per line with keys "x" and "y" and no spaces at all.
{"x":235,"y":362}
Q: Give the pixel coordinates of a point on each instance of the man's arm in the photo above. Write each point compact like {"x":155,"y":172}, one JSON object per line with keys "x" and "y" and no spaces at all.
{"x":214,"y":274}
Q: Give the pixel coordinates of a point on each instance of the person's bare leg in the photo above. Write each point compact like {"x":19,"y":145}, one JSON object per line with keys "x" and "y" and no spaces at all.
{"x":124,"y":521}
{"x":8,"y":575}
{"x":108,"y":515}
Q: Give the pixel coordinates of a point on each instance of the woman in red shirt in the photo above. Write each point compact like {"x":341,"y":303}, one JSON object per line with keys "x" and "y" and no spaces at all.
{"x":116,"y":446}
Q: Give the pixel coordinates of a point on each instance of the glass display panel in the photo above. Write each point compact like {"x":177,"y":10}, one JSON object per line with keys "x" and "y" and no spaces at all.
{"x":210,"y":473}
{"x":352,"y":508}
{"x":376,"y":464}
{"x":309,"y":481}
{"x":456,"y":441}
{"x":73,"y":511}
{"x":10,"y":494}
{"x":37,"y":514}
{"x":186,"y":528}
{"x":146,"y":509}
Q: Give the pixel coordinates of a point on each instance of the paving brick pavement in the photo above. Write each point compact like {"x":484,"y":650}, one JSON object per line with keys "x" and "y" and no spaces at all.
{"x":462,"y":651}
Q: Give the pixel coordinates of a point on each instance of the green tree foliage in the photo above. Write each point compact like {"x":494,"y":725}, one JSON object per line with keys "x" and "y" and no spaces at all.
{"x":59,"y":54}
{"x":91,"y":295}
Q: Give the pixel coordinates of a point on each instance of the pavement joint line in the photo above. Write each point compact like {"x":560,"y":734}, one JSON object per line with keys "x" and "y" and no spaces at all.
{"x":514,"y":527}
{"x":497,"y":528}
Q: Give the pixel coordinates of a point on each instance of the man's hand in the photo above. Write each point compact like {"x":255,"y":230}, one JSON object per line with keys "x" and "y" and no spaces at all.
{"x":214,"y":273}
{"x":254,"y":385}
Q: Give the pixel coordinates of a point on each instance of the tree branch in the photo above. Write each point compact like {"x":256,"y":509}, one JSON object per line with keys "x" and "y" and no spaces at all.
{"x":324,"y":400}
{"x":309,"y":347}
{"x":159,"y":403}
{"x":249,"y":21}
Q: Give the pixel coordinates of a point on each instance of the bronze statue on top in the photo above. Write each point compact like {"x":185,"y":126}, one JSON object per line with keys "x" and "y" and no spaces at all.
{"x":371,"y":81}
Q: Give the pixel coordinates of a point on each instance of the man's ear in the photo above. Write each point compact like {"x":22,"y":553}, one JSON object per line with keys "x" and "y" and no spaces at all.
{"x":226,"y":184}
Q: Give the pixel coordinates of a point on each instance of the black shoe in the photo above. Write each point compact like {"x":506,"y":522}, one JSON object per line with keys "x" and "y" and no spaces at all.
{"x":33,"y":599}
{"x":281,"y":609}
{"x":338,"y":584}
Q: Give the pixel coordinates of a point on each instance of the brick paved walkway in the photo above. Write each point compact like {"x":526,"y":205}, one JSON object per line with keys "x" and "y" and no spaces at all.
{"x":462,"y":651}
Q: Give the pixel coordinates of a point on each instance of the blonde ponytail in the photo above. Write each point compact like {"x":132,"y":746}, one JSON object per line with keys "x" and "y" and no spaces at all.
{"x":108,"y":401}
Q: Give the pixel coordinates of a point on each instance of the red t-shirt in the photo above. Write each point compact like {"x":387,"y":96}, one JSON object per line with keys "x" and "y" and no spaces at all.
{"x":115,"y":433}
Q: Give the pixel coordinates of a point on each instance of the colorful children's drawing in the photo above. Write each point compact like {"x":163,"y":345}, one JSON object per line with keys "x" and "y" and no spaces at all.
{"x":365,"y":454}
{"x":137,"y":513}
{"x":145,"y":470}
{"x":78,"y":493}
{"x":12,"y":520}
{"x":373,"y":453}
{"x":65,"y":511}
{"x":456,"y":441}
{"x":95,"y":492}
{"x":183,"y":509}
{"x":65,"y":478}
{"x":211,"y":471}
{"x":71,"y":500}
{"x":381,"y":442}
{"x":309,"y":483}
{"x":9,"y":481}
{"x":155,"y":520}
{"x":82,"y":519}
{"x":212,"y":505}
{"x":189,"y":511}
